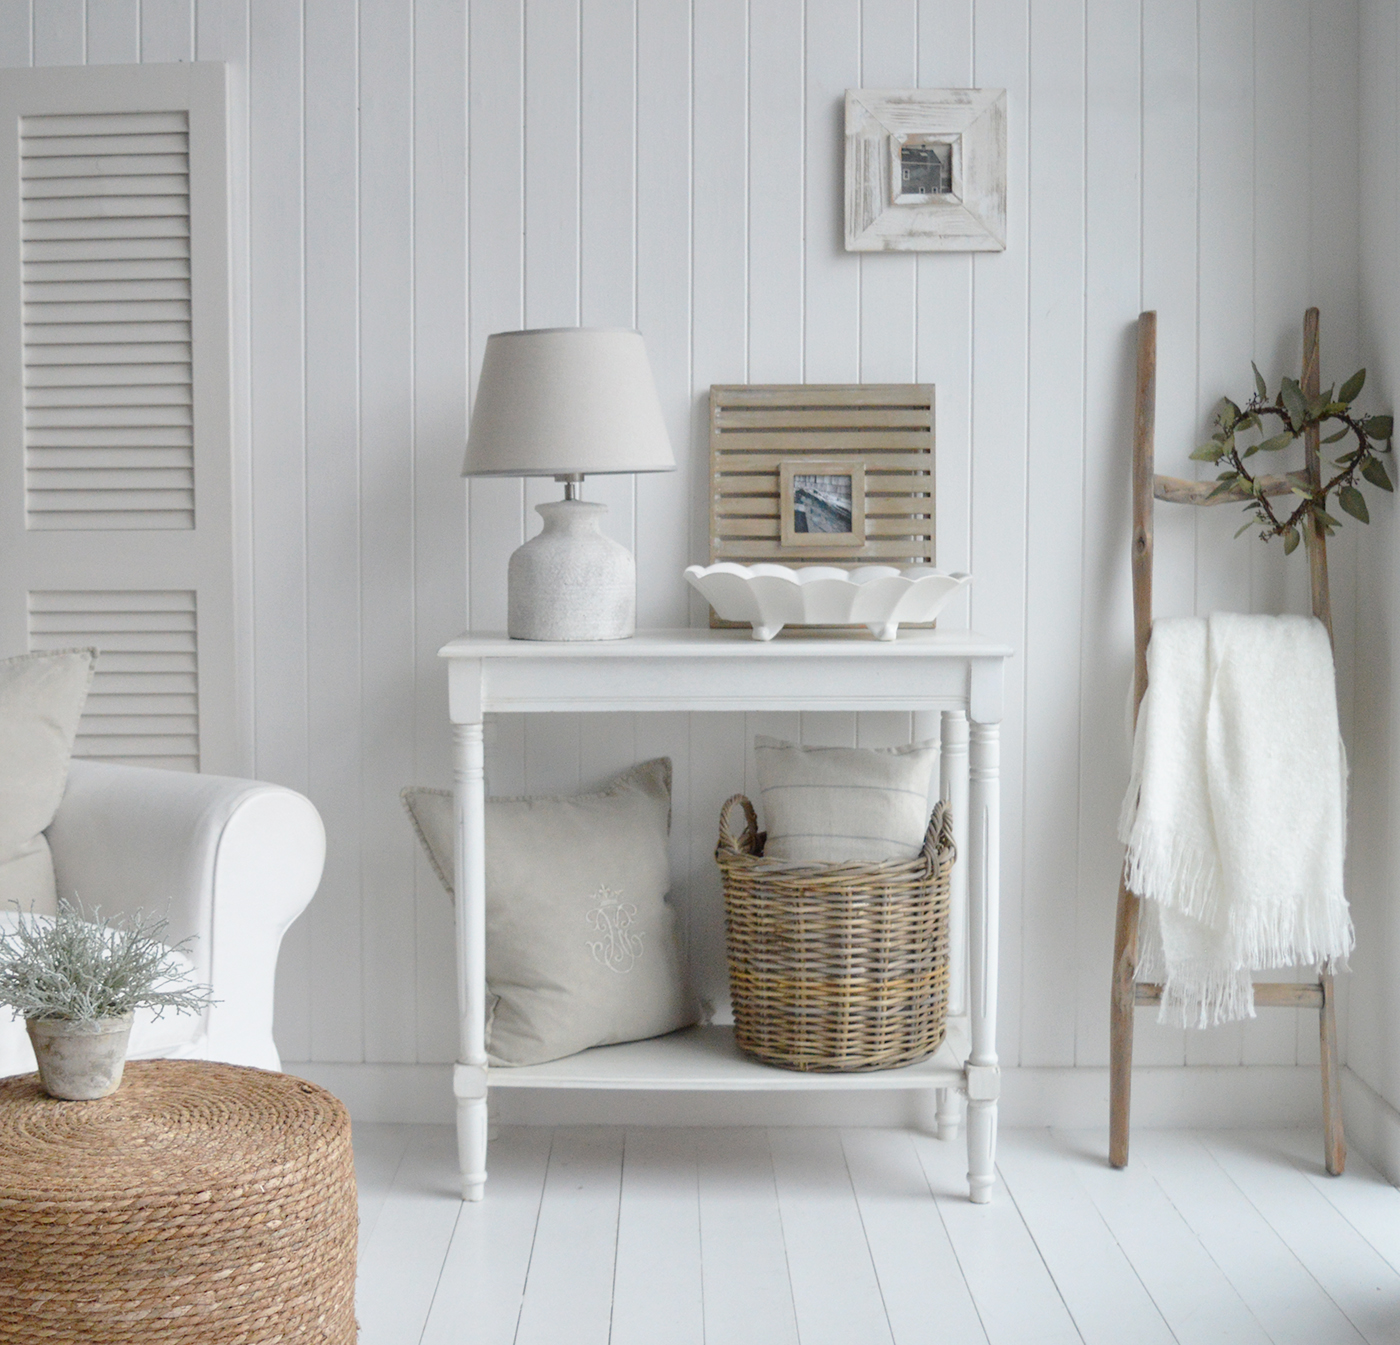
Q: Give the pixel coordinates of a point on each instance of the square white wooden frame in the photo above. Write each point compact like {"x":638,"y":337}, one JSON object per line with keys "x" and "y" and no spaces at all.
{"x":837,"y":541}
{"x":969,"y":218}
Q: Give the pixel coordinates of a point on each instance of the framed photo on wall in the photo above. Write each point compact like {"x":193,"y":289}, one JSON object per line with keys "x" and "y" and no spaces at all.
{"x":821,"y":503}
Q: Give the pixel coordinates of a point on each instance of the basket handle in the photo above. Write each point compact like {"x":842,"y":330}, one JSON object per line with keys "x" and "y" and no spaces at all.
{"x":747,"y":842}
{"x":938,"y":839}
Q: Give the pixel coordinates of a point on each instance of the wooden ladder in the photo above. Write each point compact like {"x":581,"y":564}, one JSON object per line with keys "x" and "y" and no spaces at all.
{"x":1128,"y":993}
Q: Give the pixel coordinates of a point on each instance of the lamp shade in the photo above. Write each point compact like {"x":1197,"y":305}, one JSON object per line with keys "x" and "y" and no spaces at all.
{"x":566,"y":401}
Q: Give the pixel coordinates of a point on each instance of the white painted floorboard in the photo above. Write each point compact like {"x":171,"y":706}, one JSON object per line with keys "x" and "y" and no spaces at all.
{"x":865,"y":1237}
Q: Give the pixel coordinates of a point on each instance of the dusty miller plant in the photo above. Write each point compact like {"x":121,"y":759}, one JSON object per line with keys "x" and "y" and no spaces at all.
{"x":1293,"y":414}
{"x":80,"y":969}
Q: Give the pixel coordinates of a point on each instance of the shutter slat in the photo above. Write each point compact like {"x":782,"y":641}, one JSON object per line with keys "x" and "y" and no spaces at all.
{"x":109,"y":165}
{"x":60,"y":293}
{"x":99,"y":230}
{"x":144,"y":702}
{"x":125,"y":394}
{"x":125,"y":268}
{"x":98,"y":250}
{"x":99,"y":185}
{"x":86,"y":417}
{"x":115,"y":436}
{"x":44,"y":126}
{"x":48,"y":379}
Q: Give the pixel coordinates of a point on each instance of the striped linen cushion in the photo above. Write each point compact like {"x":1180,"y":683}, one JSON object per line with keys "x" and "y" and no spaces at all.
{"x":831,"y":804}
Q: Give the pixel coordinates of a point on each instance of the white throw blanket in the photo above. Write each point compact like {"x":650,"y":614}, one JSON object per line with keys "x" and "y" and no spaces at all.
{"x":1235,"y":817}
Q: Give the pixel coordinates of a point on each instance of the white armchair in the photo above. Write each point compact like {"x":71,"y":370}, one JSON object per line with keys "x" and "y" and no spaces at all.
{"x":235,"y":862}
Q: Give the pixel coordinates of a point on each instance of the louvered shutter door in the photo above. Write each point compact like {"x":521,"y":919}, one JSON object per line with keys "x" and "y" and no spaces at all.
{"x":114,"y":371}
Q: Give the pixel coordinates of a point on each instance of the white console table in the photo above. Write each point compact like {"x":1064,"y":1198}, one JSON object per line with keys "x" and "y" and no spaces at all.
{"x":695,"y":670}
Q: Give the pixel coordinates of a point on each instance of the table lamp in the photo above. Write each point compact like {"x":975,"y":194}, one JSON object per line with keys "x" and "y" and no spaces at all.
{"x":568,"y":402}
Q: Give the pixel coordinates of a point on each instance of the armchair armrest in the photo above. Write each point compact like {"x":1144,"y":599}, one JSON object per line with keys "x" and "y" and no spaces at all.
{"x":230,"y":863}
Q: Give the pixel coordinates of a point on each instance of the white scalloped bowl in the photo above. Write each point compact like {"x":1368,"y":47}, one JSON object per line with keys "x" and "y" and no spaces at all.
{"x":878,"y":597}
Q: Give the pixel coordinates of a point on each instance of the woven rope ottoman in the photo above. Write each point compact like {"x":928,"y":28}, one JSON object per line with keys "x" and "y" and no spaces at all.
{"x":200,"y":1203}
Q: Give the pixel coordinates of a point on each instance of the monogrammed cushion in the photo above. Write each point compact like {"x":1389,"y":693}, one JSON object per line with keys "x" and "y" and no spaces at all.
{"x":581,"y":947}
{"x":830,"y":804}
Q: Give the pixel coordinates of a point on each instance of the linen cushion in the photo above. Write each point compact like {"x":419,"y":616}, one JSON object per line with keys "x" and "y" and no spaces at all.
{"x":41,"y":701}
{"x":832,"y":804}
{"x":582,"y":948}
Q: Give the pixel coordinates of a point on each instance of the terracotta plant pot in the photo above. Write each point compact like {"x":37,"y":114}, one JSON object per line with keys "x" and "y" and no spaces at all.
{"x":80,"y":1061}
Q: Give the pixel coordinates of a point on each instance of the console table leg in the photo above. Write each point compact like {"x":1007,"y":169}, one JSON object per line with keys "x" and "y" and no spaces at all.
{"x":984,"y":887}
{"x":949,"y":1114}
{"x":981,"y":1150}
{"x":469,"y":790}
{"x":471,"y":1145}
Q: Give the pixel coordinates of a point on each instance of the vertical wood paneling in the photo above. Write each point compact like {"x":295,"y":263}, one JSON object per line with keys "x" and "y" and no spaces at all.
{"x":114,"y":32}
{"x":889,"y":54}
{"x":1228,"y":337}
{"x":1281,"y":285}
{"x":680,"y":168}
{"x":495,"y":260}
{"x":1054,"y":525}
{"x":776,"y":207}
{"x":386,"y":523}
{"x":943,"y":316}
{"x":831,"y":325}
{"x":1000,"y":319}
{"x":1112,"y":301}
{"x":335,"y":748}
{"x":167,"y":30}
{"x":277,"y":415}
{"x":607,"y":204}
{"x":665,"y":505}
{"x":58,"y":32}
{"x":439,"y":431}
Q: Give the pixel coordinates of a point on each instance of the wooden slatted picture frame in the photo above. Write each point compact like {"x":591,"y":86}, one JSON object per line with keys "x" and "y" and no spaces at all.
{"x":883,"y":431}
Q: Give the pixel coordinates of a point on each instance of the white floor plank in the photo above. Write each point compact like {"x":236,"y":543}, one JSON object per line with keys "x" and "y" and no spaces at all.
{"x":1285,"y":1299}
{"x":1015,"y":1296}
{"x":657,"y":1287}
{"x":1094,"y":1277}
{"x":1359,"y":1280}
{"x":810,"y":1236}
{"x":379,"y":1149}
{"x":926,"y":1299}
{"x":747,"y":1294}
{"x":568,"y":1291}
{"x":1191,"y":1292}
{"x":1363,"y":1197}
{"x":400,"y":1264}
{"x":482,"y":1284}
{"x":835,"y":1293}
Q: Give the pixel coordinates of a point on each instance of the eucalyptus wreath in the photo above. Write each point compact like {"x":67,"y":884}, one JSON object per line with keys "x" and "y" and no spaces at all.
{"x":1295,"y":413}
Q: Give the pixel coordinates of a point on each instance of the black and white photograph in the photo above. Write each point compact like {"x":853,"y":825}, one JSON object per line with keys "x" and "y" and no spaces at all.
{"x":821,"y":504}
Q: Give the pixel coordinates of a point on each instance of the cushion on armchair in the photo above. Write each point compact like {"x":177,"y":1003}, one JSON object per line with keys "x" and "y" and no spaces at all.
{"x":41,"y":701}
{"x":582,"y":948}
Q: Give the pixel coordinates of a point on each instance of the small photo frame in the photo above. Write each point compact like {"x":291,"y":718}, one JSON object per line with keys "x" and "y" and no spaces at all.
{"x":821,"y":503}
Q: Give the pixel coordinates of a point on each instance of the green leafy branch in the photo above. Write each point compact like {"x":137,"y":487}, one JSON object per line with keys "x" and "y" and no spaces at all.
{"x":1295,"y":414}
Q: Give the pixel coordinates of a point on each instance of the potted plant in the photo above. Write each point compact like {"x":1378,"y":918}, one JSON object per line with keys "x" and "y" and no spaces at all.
{"x":78,"y":981}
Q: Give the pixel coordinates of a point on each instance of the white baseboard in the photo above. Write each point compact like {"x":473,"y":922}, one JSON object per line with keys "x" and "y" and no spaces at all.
{"x":1195,"y":1095}
{"x":1372,"y":1125}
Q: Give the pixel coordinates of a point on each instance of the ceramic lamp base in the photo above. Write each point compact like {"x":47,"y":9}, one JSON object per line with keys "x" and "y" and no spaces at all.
{"x":571,"y":582}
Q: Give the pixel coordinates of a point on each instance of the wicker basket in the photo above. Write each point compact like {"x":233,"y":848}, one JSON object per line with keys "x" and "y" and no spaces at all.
{"x":836,"y":967}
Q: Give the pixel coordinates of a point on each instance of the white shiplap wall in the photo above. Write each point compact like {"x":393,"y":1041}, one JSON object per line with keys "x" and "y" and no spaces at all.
{"x":422,"y":174}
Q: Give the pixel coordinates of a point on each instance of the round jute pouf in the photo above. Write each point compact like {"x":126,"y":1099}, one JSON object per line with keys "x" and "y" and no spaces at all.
{"x":201,"y":1204}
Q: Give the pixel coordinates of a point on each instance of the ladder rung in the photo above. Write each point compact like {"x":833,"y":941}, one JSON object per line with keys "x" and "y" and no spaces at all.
{"x":1267,"y":994}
